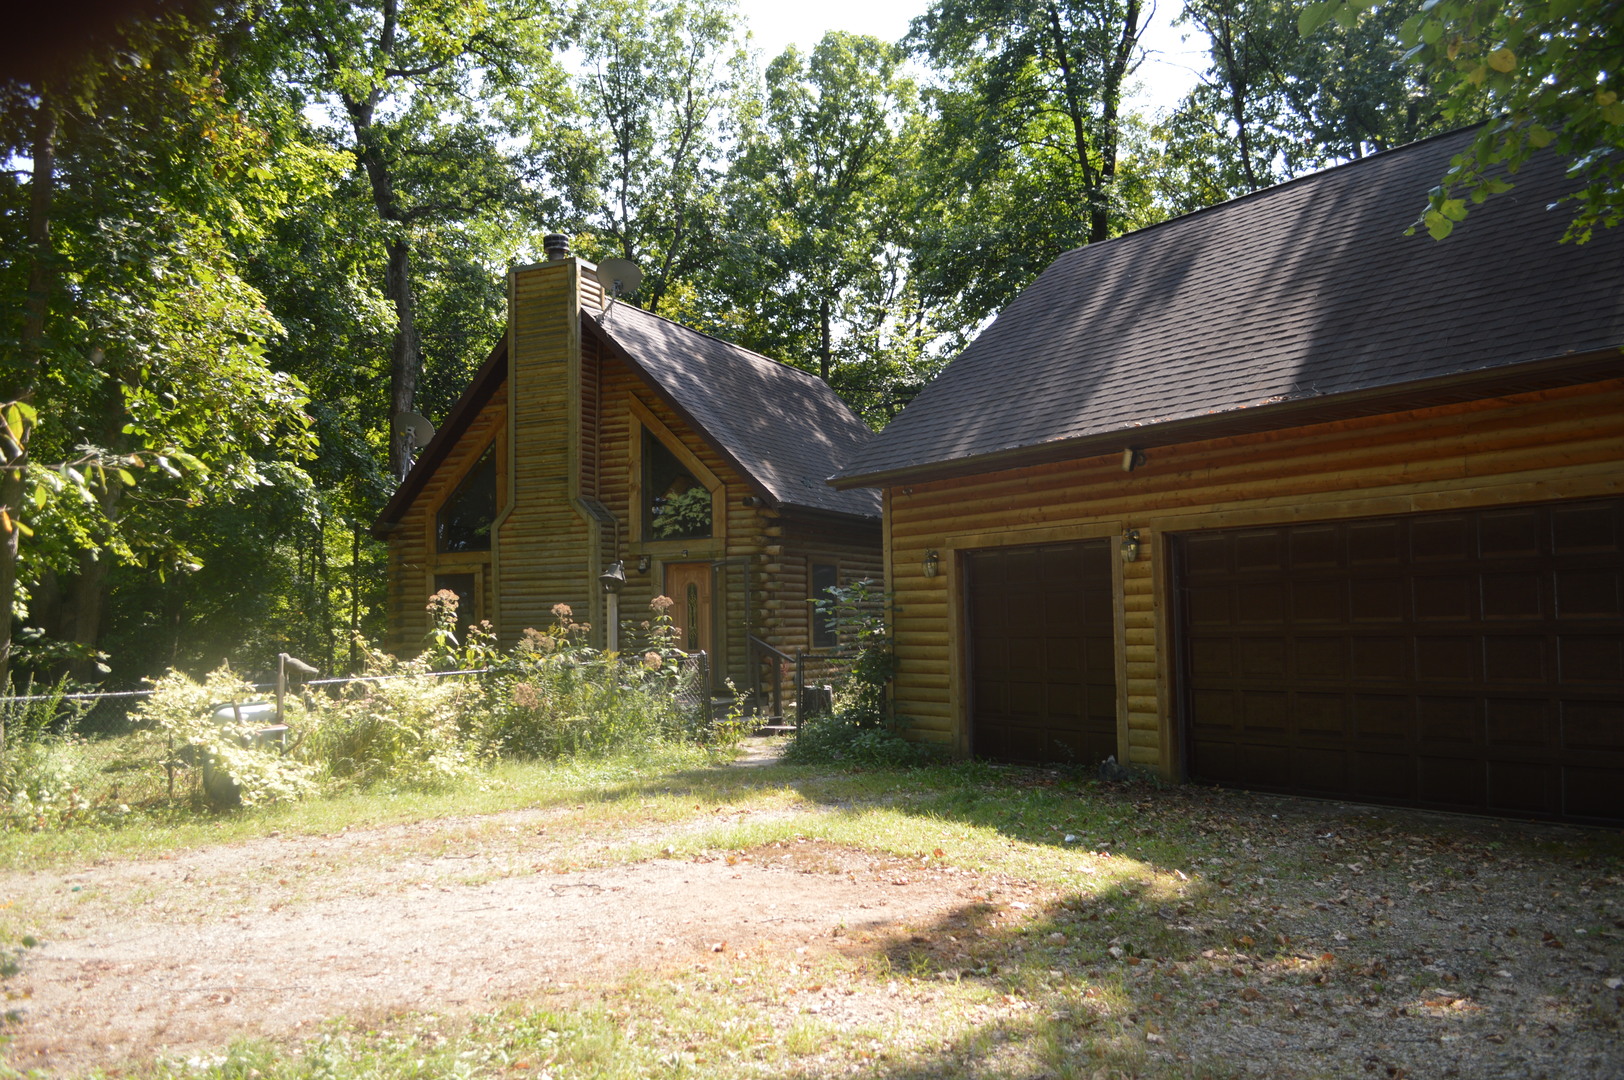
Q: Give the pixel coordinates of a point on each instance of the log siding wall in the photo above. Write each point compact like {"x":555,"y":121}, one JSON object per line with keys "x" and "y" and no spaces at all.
{"x":1562,"y":443}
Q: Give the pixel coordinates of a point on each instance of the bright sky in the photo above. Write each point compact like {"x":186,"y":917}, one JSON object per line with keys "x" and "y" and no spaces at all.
{"x":1168,"y":71}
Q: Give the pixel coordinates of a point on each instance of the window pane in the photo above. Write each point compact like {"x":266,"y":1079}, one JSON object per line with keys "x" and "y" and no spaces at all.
{"x":825,"y":576}
{"x":675,"y":505}
{"x":464,"y":521}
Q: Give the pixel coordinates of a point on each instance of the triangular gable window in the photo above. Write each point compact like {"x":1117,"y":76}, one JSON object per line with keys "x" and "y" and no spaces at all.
{"x":465,"y":519}
{"x":676,"y":506}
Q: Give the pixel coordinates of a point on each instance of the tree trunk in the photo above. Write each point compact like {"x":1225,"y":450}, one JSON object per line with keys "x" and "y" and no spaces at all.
{"x":406,"y":359}
{"x":32,"y":349}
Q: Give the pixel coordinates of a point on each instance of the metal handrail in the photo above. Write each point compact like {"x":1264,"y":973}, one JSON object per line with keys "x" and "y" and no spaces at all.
{"x":761,"y":650}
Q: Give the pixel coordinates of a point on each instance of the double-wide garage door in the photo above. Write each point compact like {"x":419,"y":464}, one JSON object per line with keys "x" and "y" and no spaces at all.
{"x":1042,"y":657}
{"x":1467,"y":661}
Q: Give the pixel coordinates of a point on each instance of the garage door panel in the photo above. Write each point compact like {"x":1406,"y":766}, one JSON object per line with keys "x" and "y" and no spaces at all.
{"x":1590,"y":793}
{"x":1471,"y":660}
{"x":1448,"y":659}
{"x":1594,"y":727}
{"x":1382,"y":658}
{"x":1521,"y":725}
{"x":1382,"y":718}
{"x":1451,"y":720}
{"x":1321,"y":716}
{"x":1510,"y":659}
{"x":1584,"y":658}
{"x":1380,"y":600}
{"x":1445,"y":598}
{"x":1374,"y":775}
{"x":1263,"y":603}
{"x":1511,"y":534}
{"x":1262,"y":656}
{"x":1515,"y":595}
{"x":1260,"y":550}
{"x":1454,"y":781}
{"x":1588,"y":594}
{"x":1319,"y":601}
{"x":1042,"y":652}
{"x":1443,"y":538}
{"x":1591,"y":528}
{"x":1523,"y":787}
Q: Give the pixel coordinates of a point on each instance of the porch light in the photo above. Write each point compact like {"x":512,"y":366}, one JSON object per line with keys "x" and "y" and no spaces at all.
{"x":931,"y":564}
{"x":1130,"y":545}
{"x":614,"y":578}
{"x":643,"y":563}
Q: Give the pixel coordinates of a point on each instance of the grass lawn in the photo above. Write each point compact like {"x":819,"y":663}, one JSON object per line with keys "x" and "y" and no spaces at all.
{"x":1113,"y":930}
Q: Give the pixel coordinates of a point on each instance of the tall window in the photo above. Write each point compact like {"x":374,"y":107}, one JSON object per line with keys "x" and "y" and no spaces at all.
{"x":825,"y":576}
{"x":465,"y":519}
{"x":675,"y":505}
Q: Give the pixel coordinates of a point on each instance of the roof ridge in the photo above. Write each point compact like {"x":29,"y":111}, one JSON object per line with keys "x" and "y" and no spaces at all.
{"x":1261,"y":192}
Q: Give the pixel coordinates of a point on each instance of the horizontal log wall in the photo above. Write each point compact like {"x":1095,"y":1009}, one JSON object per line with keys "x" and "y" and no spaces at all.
{"x":413,"y":561}
{"x":1564,"y":443}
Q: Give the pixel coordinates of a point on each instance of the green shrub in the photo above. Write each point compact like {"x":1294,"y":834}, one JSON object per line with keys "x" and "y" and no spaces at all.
{"x":180,"y":716}
{"x":404,"y":726}
{"x":833,"y":739}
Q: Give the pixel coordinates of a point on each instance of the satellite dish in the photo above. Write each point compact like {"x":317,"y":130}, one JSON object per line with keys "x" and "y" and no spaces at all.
{"x":620,"y":276}
{"x":416,"y":425}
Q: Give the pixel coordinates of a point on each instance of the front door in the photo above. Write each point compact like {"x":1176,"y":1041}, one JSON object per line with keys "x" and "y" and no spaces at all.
{"x":689,"y":584}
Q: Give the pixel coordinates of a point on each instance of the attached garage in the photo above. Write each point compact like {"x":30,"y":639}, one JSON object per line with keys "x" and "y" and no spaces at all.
{"x":1465,"y":660}
{"x":1042,"y":652}
{"x":1359,"y":496}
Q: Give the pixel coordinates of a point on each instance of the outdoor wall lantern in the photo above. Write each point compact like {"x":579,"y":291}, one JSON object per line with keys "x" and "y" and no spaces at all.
{"x":643,"y":563}
{"x":613,"y":580}
{"x":1130,"y":545}
{"x":932,"y":563}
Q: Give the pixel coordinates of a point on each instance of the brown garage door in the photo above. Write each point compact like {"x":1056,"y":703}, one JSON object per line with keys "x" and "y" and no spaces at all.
{"x":1467,"y":661}
{"x":1042,"y":666}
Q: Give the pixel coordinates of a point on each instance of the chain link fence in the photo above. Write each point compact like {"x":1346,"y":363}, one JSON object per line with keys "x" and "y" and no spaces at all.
{"x":111,"y":712}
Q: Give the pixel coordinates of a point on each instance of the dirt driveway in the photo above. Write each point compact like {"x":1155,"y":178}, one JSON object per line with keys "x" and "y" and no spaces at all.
{"x":1418,"y":945}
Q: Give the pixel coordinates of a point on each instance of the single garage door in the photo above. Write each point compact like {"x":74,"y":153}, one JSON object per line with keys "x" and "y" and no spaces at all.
{"x":1465,"y":661}
{"x":1042,"y":665}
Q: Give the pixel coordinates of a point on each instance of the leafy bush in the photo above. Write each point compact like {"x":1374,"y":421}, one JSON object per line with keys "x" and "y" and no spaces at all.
{"x":404,"y":726}
{"x":180,"y":713}
{"x":834,"y":739}
{"x":862,"y":729}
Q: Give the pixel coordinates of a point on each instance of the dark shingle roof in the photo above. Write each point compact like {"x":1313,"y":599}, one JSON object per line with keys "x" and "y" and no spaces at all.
{"x":781,"y":426}
{"x":1303,"y":291}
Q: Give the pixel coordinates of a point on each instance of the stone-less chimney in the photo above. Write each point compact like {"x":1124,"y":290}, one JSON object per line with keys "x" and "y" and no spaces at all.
{"x":556,"y":245}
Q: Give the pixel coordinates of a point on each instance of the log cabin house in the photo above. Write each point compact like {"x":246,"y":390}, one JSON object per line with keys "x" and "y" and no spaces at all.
{"x":1273,"y":495}
{"x":596,"y":432}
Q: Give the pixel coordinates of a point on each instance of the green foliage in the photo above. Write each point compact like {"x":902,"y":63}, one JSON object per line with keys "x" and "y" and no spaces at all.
{"x":180,"y":715}
{"x":660,"y":89}
{"x":862,"y":729}
{"x":835,"y":739}
{"x":1548,"y":70}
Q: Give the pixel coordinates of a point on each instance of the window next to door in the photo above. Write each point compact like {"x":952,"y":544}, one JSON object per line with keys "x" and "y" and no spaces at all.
{"x":824,"y":577}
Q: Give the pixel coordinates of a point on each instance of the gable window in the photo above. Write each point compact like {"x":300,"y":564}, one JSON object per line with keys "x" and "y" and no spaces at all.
{"x":465,"y":519}
{"x":825,"y":576}
{"x":676,"y":506}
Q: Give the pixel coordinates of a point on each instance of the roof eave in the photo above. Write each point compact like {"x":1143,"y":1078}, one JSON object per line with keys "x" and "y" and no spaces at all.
{"x":1548,"y":373}
{"x":473,"y":399}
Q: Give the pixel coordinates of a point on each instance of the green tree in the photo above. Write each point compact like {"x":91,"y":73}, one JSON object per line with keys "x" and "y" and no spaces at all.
{"x":139,"y":346}
{"x":1026,"y":153}
{"x":451,"y":112}
{"x":817,"y":266}
{"x":1549,"y":71}
{"x":661,"y":85}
